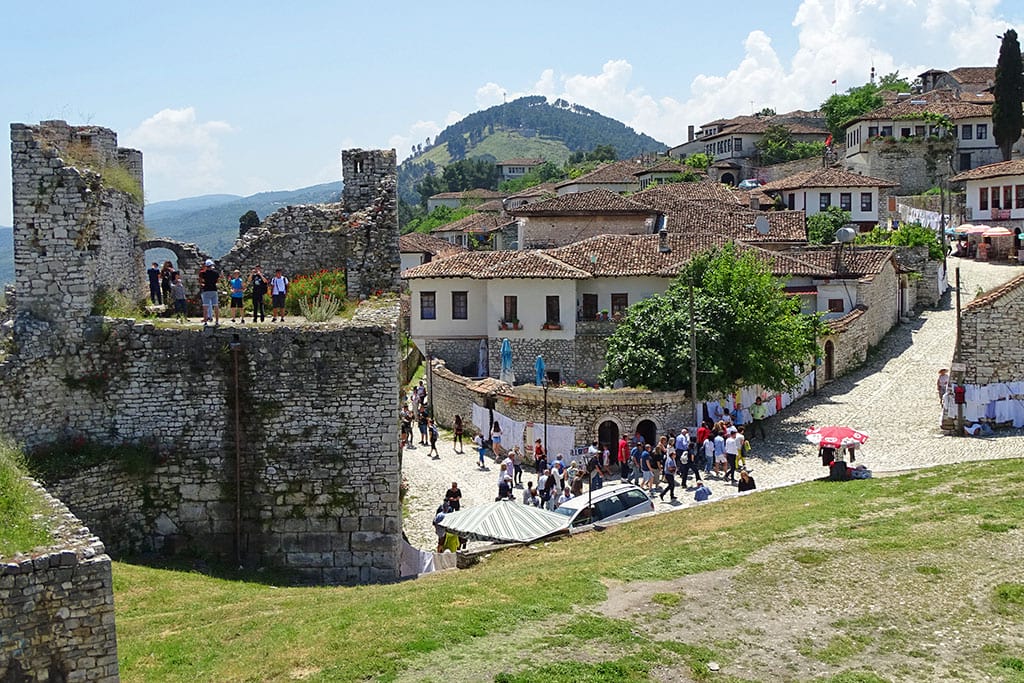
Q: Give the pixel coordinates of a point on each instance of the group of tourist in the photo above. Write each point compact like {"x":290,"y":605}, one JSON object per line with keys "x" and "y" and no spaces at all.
{"x":165,"y":286}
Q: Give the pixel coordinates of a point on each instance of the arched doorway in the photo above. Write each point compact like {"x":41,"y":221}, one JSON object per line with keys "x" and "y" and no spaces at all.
{"x":830,"y":353}
{"x":608,"y":435}
{"x":648,"y":430}
{"x":728,"y":179}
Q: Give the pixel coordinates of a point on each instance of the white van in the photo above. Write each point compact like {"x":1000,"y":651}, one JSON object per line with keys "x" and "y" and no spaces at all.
{"x":608,"y":503}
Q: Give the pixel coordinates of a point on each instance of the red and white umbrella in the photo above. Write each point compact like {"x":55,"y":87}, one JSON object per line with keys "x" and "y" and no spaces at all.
{"x":834,"y":436}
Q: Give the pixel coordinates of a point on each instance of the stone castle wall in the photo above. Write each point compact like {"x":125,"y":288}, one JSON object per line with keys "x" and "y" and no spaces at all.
{"x":57,"y":609}
{"x":74,"y":235}
{"x":313,"y":403}
{"x":583,"y":409}
{"x":915,"y":164}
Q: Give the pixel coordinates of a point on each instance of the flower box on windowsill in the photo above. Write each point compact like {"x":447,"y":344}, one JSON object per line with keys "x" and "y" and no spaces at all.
{"x":551,"y":326}
{"x":515,"y":325}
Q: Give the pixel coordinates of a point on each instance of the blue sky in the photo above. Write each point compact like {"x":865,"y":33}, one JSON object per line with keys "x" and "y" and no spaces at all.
{"x":244,"y":97}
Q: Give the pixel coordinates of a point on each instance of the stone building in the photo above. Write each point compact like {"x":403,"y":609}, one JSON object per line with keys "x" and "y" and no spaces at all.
{"x":990,"y":350}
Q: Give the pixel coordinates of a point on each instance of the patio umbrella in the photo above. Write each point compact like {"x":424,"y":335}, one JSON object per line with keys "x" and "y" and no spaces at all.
{"x":835,"y":436}
{"x":977,"y":230}
{"x":997,"y":231}
{"x":963,"y":228}
{"x":539,"y":370}
{"x":504,"y":522}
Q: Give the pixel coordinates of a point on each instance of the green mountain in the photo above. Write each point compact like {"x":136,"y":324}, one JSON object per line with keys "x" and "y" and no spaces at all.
{"x":6,"y":255}
{"x":527,"y":127}
{"x":211,"y":221}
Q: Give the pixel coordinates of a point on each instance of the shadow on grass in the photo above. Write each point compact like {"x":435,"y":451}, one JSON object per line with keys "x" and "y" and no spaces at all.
{"x":213,"y":568}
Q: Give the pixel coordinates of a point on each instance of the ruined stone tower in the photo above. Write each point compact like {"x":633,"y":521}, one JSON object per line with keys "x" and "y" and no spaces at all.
{"x":77,"y":216}
{"x":374,"y":263}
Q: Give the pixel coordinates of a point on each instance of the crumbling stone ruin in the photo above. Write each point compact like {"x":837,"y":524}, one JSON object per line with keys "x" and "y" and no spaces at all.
{"x":270,"y":446}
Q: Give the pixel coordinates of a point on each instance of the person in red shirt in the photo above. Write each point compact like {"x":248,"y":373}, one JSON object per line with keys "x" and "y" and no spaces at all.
{"x":703,"y":433}
{"x":623,"y":458}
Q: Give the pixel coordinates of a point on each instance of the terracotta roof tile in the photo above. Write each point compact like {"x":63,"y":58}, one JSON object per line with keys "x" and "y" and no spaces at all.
{"x":997,"y":170}
{"x":598,"y":201}
{"x":418,"y":242}
{"x":478,"y":193}
{"x":667,"y":166}
{"x":724,"y":217}
{"x":703,"y":190}
{"x":857,"y":262}
{"x":474,"y":222}
{"x":843,"y":323}
{"x":521,"y":161}
{"x":944,"y":102}
{"x":492,"y":206}
{"x":615,"y":172}
{"x":991,"y":296}
{"x":825,"y":177}
{"x":974,"y":75}
{"x":544,"y":189}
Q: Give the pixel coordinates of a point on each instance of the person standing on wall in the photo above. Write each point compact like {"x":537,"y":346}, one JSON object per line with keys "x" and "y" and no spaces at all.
{"x":208,"y":278}
{"x":278,"y":291}
{"x":259,"y":284}
{"x":237,"y":295}
{"x":167,"y":274}
{"x":154,"y":284}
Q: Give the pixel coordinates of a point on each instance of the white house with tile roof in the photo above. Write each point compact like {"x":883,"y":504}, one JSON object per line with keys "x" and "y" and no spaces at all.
{"x":814,"y":191}
{"x":510,"y":169}
{"x":547,"y":302}
{"x":995,"y":193}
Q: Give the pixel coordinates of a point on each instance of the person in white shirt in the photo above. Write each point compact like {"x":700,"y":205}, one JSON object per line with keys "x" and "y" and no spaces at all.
{"x":566,"y":495}
{"x":731,"y":451}
{"x":278,"y":291}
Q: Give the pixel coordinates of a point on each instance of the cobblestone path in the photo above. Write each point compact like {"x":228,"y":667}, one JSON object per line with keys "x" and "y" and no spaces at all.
{"x":892,"y":398}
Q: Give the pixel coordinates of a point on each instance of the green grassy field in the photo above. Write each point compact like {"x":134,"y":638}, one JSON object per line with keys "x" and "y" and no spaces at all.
{"x":931,"y":560}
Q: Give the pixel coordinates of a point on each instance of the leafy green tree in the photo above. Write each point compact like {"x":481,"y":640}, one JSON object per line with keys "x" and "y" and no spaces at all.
{"x":767,"y":111}
{"x":442,"y":215}
{"x":1007,"y":116}
{"x":249,"y":219}
{"x":777,"y":145}
{"x":908,"y":235}
{"x":748,"y":330}
{"x":699,"y":161}
{"x":840,"y":109}
{"x":822,"y":226}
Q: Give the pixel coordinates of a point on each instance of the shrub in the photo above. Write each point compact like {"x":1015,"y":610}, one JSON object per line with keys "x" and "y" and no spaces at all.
{"x":22,"y":508}
{"x":908,"y":235}
{"x":320,"y":308}
{"x":325,"y":283}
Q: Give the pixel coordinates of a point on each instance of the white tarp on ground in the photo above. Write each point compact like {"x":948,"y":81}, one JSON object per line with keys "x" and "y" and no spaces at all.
{"x":504,"y":522}
{"x":415,"y":561}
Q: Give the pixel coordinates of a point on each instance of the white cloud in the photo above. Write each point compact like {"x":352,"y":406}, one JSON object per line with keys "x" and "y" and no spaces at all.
{"x":418,"y":132}
{"x":182,"y":154}
{"x":836,"y":39}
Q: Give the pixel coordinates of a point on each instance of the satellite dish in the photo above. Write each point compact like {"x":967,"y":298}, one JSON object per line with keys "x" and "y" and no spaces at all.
{"x":761,"y":225}
{"x":845,"y":235}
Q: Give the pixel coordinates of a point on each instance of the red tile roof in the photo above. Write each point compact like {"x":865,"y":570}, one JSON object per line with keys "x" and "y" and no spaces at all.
{"x":521,"y":161}
{"x":615,"y":172}
{"x":598,"y":201}
{"x":421,"y":243}
{"x":857,"y":262}
{"x":944,"y":102}
{"x":988,"y":298}
{"x":474,"y":222}
{"x":668,"y":166}
{"x":478,"y":193}
{"x":724,"y":217}
{"x":974,"y":75}
{"x":535,"y":191}
{"x":997,"y":170}
{"x":492,"y":206}
{"x":825,"y":177}
{"x":703,"y":190}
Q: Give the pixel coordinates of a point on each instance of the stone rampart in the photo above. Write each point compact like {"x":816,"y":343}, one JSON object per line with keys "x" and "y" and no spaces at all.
{"x":313,"y":402}
{"x":57,"y":608}
{"x":990,"y":335}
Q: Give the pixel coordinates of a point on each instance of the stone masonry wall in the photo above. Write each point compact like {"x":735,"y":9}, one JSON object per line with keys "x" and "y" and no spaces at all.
{"x":57,"y":609}
{"x":584,"y":409}
{"x":880,"y":295}
{"x":74,"y":235}
{"x":990,"y":339}
{"x":314,"y":401}
{"x":914,"y":164}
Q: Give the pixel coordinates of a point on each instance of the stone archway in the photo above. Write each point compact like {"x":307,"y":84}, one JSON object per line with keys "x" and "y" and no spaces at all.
{"x":649,"y":430}
{"x":189,"y":259}
{"x":728,"y":178}
{"x":608,"y":433}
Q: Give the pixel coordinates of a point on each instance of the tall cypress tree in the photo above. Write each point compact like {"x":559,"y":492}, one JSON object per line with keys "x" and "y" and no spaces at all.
{"x":1007,"y":115}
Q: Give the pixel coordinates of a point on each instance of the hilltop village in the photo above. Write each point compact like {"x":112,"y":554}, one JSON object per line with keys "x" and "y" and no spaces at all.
{"x":494,"y":331}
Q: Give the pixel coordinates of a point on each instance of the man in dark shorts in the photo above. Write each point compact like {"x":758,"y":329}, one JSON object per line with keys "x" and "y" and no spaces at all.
{"x":155,"y":294}
{"x":278,"y":292}
{"x":208,"y":278}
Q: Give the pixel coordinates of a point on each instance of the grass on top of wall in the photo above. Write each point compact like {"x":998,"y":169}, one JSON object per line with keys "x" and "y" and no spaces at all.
{"x":23,"y":511}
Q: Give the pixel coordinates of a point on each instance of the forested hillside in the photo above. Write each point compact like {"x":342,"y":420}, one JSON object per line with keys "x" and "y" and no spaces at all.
{"x":527,"y":127}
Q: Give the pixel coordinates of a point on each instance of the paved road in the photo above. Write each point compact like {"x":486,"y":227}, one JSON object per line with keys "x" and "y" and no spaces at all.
{"x":892,"y":398}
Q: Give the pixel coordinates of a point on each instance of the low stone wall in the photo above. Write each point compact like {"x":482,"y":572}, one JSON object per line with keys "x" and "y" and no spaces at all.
{"x":583,"y":409}
{"x":315,"y":401}
{"x":57,"y":609}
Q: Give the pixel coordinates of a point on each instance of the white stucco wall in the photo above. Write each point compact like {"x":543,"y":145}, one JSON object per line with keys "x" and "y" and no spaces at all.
{"x":443,"y":325}
{"x":973,"y":189}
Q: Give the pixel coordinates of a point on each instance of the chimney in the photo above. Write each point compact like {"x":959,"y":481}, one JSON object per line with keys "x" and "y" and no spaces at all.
{"x":689,"y":133}
{"x":663,"y":241}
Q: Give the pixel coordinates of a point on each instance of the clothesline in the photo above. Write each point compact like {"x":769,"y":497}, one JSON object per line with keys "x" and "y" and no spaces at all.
{"x":999,"y":402}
